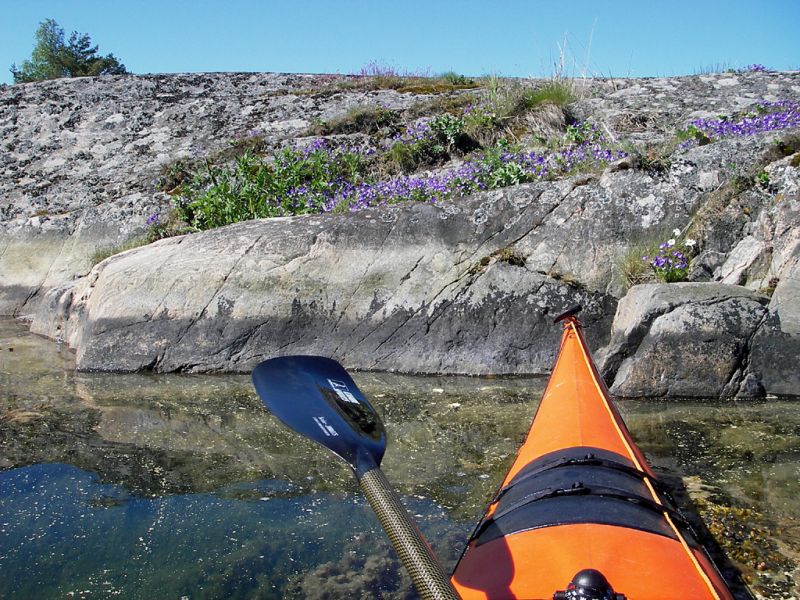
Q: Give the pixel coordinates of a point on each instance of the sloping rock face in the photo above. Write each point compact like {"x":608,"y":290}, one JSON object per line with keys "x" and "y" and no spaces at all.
{"x":466,"y":286}
{"x":413,"y":288}
{"x":82,"y":158}
{"x":767,"y":257}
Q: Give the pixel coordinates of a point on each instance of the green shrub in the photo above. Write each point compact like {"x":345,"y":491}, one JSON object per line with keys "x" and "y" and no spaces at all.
{"x":582,"y":133}
{"x":174,"y":174}
{"x":762,"y":178}
{"x":426,"y":143}
{"x":456,"y":80}
{"x":448,"y":128}
{"x":500,"y":173}
{"x":692,"y":133}
{"x":295,"y":182}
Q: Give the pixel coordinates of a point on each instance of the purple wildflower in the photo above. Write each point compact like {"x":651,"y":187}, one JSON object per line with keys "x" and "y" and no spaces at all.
{"x":315,"y":146}
{"x":769,"y":116}
{"x":670,"y":264}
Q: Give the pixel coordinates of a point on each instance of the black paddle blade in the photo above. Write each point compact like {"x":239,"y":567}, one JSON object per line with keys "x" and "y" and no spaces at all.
{"x":317,"y":398}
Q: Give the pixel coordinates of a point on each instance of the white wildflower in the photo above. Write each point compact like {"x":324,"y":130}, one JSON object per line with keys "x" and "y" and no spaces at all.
{"x":671,"y":242}
{"x":689,"y":242}
{"x":676,"y":232}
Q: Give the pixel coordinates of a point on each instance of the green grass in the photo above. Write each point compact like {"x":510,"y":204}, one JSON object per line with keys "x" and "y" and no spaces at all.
{"x":376,"y":76}
{"x":632,"y":269}
{"x":407,"y":158}
{"x":559,"y":93}
{"x":769,"y":289}
{"x":504,"y":105}
{"x":102,"y":254}
{"x":715,"y":68}
{"x":360,"y":119}
{"x":506,"y":255}
{"x":655,"y":159}
{"x":169,"y":226}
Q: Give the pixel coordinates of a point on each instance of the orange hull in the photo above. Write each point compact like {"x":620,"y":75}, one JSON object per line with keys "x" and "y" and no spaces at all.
{"x":580,"y":495}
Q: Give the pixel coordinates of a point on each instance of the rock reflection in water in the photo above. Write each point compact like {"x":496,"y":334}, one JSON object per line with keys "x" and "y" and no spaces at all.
{"x":171,"y":485}
{"x":142,"y":486}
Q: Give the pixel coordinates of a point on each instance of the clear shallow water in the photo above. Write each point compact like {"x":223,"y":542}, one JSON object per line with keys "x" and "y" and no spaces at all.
{"x":71,"y":535}
{"x":171,"y":486}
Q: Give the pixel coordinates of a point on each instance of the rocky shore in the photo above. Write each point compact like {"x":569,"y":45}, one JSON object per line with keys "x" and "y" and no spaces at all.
{"x":467,"y":285}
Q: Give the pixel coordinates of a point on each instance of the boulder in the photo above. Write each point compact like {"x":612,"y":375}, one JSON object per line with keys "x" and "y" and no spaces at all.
{"x":683,"y":340}
{"x":466,"y":286}
{"x":775,"y":354}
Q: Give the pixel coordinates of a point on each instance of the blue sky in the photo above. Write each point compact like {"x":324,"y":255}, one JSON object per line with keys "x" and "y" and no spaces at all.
{"x":617,"y":38}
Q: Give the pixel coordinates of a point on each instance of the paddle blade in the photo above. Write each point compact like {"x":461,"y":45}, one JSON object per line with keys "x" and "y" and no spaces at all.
{"x":317,"y":398}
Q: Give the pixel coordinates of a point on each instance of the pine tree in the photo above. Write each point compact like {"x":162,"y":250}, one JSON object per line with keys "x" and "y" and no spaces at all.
{"x":53,"y":58}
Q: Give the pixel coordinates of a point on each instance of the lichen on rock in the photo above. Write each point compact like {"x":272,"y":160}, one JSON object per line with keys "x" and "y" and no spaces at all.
{"x":410,"y":287}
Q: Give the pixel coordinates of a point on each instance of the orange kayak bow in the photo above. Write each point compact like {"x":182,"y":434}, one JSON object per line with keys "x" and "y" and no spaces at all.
{"x":580,"y":514}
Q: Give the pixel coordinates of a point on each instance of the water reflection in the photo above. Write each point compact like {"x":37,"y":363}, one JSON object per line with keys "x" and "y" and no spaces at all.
{"x":142,"y":486}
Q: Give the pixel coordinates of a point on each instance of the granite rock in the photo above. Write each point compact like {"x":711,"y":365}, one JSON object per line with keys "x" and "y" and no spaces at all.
{"x":466,"y":286}
{"x":683,"y":340}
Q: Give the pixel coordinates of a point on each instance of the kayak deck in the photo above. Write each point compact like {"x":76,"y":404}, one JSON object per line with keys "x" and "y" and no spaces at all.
{"x":580,"y":495}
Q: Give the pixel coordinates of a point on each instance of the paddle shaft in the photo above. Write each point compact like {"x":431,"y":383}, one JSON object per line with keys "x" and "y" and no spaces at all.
{"x":417,"y":557}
